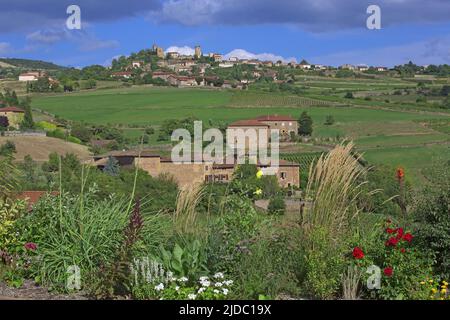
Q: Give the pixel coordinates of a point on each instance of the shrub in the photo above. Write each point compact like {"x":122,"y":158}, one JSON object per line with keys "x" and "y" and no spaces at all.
{"x":46,"y":126}
{"x":8,"y":148}
{"x":9,"y":213}
{"x":349,"y":95}
{"x":231,"y":233}
{"x":431,"y":212}
{"x":277,"y":205}
{"x":324,"y":265}
{"x":270,"y":267}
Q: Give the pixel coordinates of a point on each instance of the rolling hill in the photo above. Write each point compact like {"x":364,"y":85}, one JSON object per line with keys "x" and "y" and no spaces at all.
{"x":28,"y":64}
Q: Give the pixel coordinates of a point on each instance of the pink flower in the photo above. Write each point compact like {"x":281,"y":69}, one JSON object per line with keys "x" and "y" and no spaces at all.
{"x":30,"y":246}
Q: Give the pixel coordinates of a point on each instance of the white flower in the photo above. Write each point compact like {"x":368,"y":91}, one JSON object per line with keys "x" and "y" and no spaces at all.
{"x":183,"y":279}
{"x":159,"y":287}
{"x":225,"y":291}
{"x":203,"y":279}
{"x":201,"y":290}
{"x":170,"y":276}
{"x":218,"y":284}
{"x":205,"y":283}
{"x":177,"y":288}
{"x":228,"y":282}
{"x":216,"y":291}
{"x":192,"y":296}
{"x":218,"y":275}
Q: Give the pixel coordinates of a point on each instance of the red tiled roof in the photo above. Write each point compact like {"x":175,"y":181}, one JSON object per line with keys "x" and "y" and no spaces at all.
{"x":32,"y":197}
{"x":274,"y":117}
{"x":11,"y":109}
{"x":248,"y":123}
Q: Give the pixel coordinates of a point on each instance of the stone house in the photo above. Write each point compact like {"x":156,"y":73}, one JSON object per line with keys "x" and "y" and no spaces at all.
{"x":287,"y":173}
{"x":14,"y":115}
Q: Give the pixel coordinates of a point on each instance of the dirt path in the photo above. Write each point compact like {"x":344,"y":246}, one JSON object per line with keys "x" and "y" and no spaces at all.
{"x":29,"y":291}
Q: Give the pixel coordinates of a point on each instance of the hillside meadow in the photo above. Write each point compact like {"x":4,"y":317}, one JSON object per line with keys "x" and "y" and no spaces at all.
{"x":394,"y":136}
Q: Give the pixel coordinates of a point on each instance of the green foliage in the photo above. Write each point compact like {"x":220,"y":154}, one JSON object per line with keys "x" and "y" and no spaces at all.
{"x":324,"y":266}
{"x":206,"y":288}
{"x":271,"y":265}
{"x":349,"y":95}
{"x":81,"y":132}
{"x":231,"y":233}
{"x":27,"y":122}
{"x":186,"y":260}
{"x":305,"y":124}
{"x":432,"y":217}
{"x":7,"y":149}
{"x":112,"y":167}
{"x":82,"y":231}
{"x":277,"y":205}
{"x":10,"y":211}
{"x":386,"y":200}
{"x":47,"y":126}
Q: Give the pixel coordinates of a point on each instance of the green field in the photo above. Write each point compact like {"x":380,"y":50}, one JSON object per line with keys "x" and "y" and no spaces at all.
{"x":386,"y":135}
{"x":154,"y":105}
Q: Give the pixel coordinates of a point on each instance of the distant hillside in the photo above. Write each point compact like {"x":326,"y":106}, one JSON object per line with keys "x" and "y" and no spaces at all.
{"x":29,"y":64}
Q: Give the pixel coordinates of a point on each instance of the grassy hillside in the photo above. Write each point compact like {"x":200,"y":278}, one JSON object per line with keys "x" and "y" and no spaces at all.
{"x":30,"y":64}
{"x":386,"y":133}
{"x":39,"y":148}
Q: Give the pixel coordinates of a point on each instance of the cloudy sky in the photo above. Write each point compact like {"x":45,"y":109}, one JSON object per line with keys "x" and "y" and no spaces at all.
{"x":328,"y":32}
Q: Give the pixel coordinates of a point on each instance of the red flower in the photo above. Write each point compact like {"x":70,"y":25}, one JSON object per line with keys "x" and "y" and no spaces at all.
{"x":400,"y":173}
{"x":399,"y":233}
{"x":408,"y":237}
{"x":392,"y":242}
{"x":402,"y":250}
{"x":30,"y":246}
{"x":388,"y":272}
{"x":390,"y":231}
{"x":358,"y":253}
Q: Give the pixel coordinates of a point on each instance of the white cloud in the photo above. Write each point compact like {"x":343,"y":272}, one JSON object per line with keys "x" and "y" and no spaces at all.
{"x":187,"y":51}
{"x":47,"y":36}
{"x":238,"y":53}
{"x":243,"y":54}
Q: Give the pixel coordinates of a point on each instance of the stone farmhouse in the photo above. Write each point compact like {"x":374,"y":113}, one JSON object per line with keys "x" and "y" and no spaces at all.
{"x":287,"y":173}
{"x":286,"y":124}
{"x":14,"y":115}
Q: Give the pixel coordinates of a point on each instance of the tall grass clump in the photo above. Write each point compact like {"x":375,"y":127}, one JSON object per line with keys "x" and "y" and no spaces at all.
{"x":99,"y":236}
{"x":8,"y":177}
{"x":186,"y":214}
{"x":333,"y":188}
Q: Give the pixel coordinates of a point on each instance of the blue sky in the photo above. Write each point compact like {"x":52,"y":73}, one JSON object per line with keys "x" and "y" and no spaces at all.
{"x":330,"y":32}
